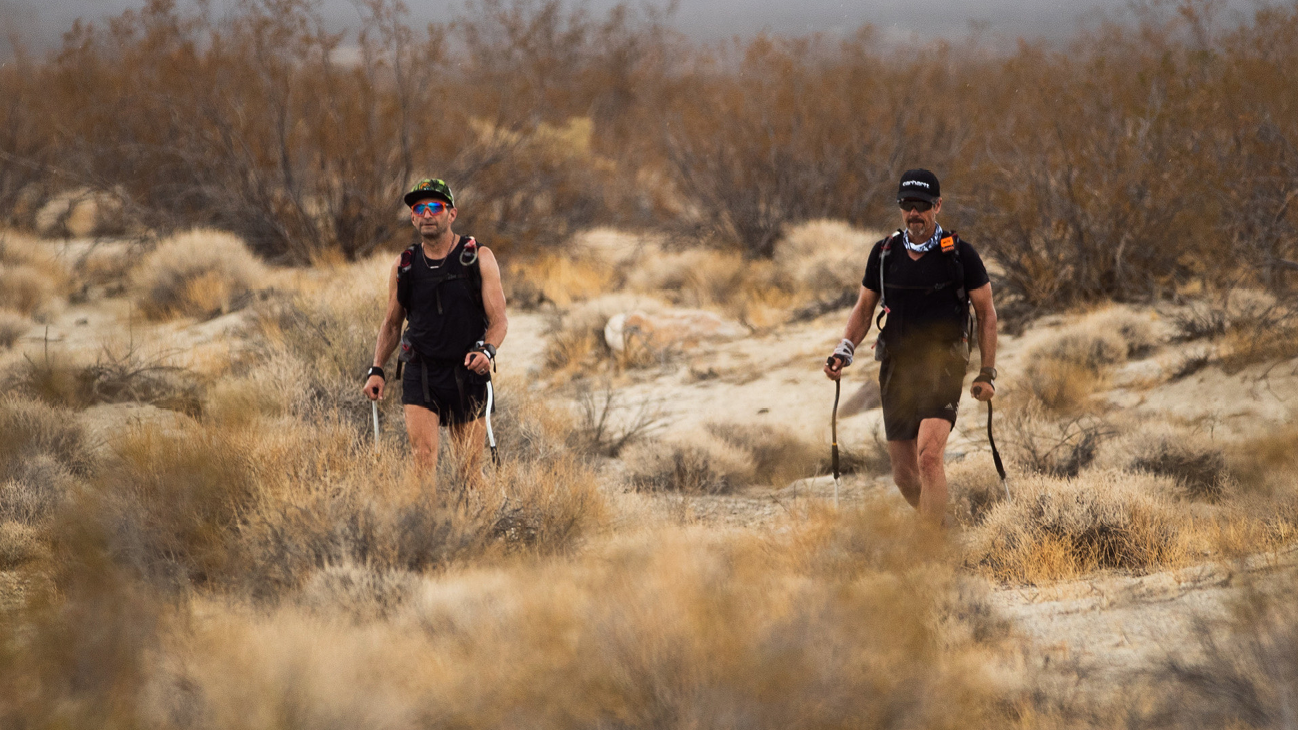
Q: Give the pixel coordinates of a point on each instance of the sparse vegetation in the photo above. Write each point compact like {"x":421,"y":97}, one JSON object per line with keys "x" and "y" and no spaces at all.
{"x":1061,"y":528}
{"x":12,"y":326}
{"x":201,"y":273}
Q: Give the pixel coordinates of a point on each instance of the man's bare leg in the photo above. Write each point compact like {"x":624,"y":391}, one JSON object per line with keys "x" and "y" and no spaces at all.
{"x":933,"y":433}
{"x":467,"y":439}
{"x":905,"y":469}
{"x":421,"y":426}
{"x":918,"y":468}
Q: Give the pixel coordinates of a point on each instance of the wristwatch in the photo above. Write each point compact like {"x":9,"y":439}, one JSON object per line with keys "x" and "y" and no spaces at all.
{"x":989,"y":372}
{"x":487,"y":349}
{"x":375,"y":370}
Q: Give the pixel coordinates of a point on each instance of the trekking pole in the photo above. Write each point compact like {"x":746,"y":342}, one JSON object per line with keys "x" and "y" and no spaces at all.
{"x":491,"y":436}
{"x":833,"y":426}
{"x":374,"y":406}
{"x":996,"y":455}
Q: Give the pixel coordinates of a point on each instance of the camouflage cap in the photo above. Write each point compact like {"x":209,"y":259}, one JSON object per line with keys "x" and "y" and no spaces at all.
{"x":430,"y":188}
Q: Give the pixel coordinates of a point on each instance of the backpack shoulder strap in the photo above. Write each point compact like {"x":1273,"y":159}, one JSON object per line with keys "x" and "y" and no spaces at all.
{"x":403,"y":280}
{"x":951,"y":249}
{"x":469,"y":260}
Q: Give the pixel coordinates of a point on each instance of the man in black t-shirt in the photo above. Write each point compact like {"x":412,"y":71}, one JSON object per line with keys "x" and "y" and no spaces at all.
{"x":925,"y":278}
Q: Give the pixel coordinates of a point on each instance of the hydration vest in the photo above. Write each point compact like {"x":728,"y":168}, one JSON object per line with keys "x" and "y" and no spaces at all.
{"x":950,"y":249}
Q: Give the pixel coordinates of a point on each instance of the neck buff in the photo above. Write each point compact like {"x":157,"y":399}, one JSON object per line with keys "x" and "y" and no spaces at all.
{"x":922,"y":247}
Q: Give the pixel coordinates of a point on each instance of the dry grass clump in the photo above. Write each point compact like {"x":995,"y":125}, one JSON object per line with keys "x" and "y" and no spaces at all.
{"x":313,"y":351}
{"x":776,"y":456}
{"x":1265,"y":462}
{"x":728,"y":456}
{"x":348,"y":506}
{"x":119,"y":374}
{"x":1062,"y":528}
{"x":43,"y":451}
{"x":201,"y":273}
{"x":12,"y":327}
{"x":1037,"y":442}
{"x":1191,"y":458}
{"x":31,"y":280}
{"x":691,"y":468}
{"x":19,"y":544}
{"x":170,"y":503}
{"x":974,"y":488}
{"x":850,"y":620}
{"x":1242,"y":671}
{"x":556,"y":279}
{"x":1064,"y":371}
{"x":359,"y":591}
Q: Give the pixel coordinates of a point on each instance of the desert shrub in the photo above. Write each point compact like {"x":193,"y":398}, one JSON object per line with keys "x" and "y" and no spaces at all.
{"x":1196,"y":464}
{"x":1067,"y":368}
{"x":606,"y":426}
{"x":340,"y":504}
{"x":1264,"y":462}
{"x":34,"y":489}
{"x":1136,"y":330}
{"x":31,"y":431}
{"x":19,"y":544}
{"x":1244,"y":671}
{"x":688,"y":468}
{"x":776,"y":456}
{"x":314,"y":348}
{"x":12,"y":327}
{"x":558,"y":280}
{"x":27,"y":290}
{"x":1037,"y":442}
{"x":200,"y":273}
{"x":850,"y":619}
{"x":724,"y":458}
{"x":1060,"y":528}
{"x":975,"y":489}
{"x":119,"y":374}
{"x":361,"y":592}
{"x":170,"y":502}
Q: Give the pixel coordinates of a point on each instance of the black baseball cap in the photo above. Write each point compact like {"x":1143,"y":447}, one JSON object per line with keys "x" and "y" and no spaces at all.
{"x":919,"y":184}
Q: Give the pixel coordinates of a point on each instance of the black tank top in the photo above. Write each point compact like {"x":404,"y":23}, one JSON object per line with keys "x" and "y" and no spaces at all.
{"x":444,"y":320}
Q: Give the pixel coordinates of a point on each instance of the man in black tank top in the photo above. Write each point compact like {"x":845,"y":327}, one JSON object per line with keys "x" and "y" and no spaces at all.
{"x":925,"y":278}
{"x":448,"y":291}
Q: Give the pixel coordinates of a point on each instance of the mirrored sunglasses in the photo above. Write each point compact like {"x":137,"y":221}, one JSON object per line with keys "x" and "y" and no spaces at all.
{"x":432,"y":207}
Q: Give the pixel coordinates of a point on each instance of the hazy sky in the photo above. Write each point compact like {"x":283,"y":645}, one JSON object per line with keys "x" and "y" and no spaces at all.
{"x":39,"y":22}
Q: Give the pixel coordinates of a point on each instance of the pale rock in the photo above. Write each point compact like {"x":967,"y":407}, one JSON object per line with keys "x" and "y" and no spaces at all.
{"x":673,"y":328}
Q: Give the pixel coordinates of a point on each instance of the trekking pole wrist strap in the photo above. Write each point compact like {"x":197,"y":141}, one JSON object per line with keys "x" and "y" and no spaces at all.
{"x":487,"y":349}
{"x":375,"y":370}
{"x":986,"y":375}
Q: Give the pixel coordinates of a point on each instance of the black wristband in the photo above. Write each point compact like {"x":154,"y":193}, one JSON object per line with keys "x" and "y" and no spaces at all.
{"x":989,"y":372}
{"x":487,"y":349}
{"x":376,"y":370}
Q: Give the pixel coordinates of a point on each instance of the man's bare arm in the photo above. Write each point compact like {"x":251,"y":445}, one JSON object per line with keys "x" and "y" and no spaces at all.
{"x":493,"y":298}
{"x":493,"y":303}
{"x":389,"y":335}
{"x":985,"y":311}
{"x":858,"y":324}
{"x":390,"y":330}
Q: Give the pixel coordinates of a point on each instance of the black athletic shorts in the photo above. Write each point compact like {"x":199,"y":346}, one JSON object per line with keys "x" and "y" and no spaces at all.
{"x":915,"y":389}
{"x":455,"y":393}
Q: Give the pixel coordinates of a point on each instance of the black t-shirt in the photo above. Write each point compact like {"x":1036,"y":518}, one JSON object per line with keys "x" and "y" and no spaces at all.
{"x":444,"y":320}
{"x":921,"y":296}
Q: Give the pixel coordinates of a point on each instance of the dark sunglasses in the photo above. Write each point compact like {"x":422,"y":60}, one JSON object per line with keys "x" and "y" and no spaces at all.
{"x":435,"y":207}
{"x":922,"y":206}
